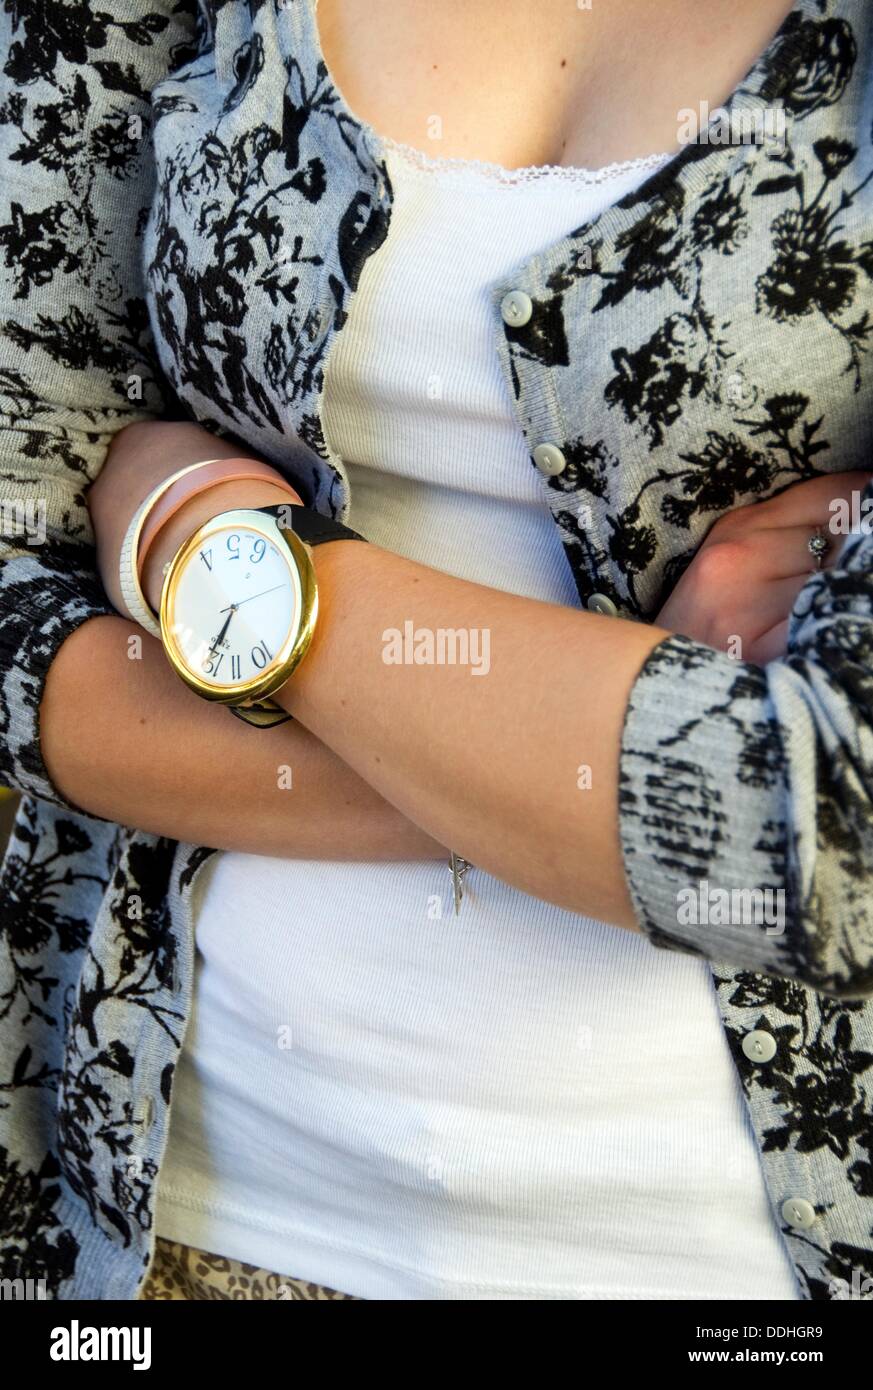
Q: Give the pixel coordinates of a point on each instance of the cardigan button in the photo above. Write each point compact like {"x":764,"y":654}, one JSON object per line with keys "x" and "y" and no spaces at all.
{"x":147,"y":1118}
{"x":516,"y":308}
{"x":599,"y":603}
{"x":799,"y":1213}
{"x":759,"y":1046}
{"x":549,"y":460}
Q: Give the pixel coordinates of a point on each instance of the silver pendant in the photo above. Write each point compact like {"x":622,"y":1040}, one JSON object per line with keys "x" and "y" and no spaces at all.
{"x":457,"y":867}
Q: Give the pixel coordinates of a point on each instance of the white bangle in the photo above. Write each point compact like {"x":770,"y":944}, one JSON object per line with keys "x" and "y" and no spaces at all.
{"x":135,"y":603}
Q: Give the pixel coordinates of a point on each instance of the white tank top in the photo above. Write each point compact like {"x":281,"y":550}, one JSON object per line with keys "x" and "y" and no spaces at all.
{"x":377,"y":1095}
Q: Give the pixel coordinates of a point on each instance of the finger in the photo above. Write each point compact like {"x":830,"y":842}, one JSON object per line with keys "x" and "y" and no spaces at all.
{"x":771,"y":619}
{"x":773,"y":603}
{"x":805,"y":504}
{"x":782,"y":596}
{"x":785,"y":551}
{"x":771,"y":646}
{"x":755,"y":615}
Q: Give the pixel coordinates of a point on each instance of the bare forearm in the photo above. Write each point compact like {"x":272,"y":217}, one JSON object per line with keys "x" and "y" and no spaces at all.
{"x":518,"y":769}
{"x":125,"y":740}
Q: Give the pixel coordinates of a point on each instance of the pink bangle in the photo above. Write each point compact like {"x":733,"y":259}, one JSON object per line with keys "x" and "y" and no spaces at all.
{"x":180,"y":492}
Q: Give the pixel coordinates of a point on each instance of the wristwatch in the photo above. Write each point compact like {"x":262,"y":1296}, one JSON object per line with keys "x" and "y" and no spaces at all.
{"x":239,"y":605}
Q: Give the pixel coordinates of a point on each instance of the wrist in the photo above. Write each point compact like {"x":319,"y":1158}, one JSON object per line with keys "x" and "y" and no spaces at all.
{"x":222,"y":497}
{"x":344,"y":573}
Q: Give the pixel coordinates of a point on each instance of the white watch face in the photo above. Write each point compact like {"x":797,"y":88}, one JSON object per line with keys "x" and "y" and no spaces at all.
{"x":235,"y":607}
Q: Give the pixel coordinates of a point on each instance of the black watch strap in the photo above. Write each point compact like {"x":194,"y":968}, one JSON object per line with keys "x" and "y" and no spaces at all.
{"x":311,"y":526}
{"x":266,"y":714}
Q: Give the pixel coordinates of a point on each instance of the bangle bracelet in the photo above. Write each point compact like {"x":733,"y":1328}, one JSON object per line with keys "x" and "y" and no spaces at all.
{"x":129,"y":566}
{"x":183,"y":487}
{"x":128,"y":570}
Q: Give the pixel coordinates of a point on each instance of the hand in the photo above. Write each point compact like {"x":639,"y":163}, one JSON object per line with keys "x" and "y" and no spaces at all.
{"x":744,"y":580}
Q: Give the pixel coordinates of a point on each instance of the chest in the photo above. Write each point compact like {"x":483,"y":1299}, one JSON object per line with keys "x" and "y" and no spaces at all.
{"x":521,"y":83}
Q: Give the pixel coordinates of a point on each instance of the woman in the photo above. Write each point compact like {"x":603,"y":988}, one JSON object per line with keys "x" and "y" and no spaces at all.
{"x":562,"y":328}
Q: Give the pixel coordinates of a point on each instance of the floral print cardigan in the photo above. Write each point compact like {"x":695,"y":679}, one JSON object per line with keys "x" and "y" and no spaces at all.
{"x":186,"y":207}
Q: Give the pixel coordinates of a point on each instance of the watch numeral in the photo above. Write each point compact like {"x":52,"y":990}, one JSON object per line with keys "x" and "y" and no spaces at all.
{"x":258,"y":550}
{"x":234,"y":549}
{"x":206,"y":557}
{"x":235,"y":672}
{"x":211,"y":666}
{"x":261,"y":655}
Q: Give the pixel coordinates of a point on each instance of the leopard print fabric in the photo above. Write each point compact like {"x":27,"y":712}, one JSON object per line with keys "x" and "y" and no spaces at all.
{"x":180,"y":1272}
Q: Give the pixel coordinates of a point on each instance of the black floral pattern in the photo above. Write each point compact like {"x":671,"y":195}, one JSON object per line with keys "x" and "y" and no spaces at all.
{"x":33,"y":1243}
{"x":701,"y":345}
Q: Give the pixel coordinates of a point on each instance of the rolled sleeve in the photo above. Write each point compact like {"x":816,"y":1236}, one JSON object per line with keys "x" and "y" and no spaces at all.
{"x":746,"y":793}
{"x":48,"y":587}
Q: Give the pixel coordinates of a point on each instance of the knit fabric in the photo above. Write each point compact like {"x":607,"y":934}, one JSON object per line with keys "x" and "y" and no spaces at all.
{"x":186,"y":211}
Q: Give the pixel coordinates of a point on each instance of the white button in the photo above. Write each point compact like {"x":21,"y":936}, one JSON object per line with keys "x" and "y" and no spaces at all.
{"x":759,"y":1046}
{"x":549,"y":460}
{"x":516,"y":308}
{"x":148,"y":1113}
{"x":599,"y":603}
{"x":798,"y":1212}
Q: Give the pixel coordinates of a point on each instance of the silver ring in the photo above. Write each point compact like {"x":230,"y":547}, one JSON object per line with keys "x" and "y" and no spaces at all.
{"x":818,"y":546}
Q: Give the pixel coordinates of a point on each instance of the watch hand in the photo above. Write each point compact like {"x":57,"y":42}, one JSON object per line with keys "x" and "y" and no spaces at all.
{"x":220,"y":636}
{"x":251,"y":596}
{"x":232,"y":609}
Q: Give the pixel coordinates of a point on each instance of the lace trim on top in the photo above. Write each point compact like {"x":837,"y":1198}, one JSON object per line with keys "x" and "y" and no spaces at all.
{"x":482,"y":169}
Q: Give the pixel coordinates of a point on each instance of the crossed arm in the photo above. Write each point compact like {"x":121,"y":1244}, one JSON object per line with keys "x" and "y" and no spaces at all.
{"x":496,"y":775}
{"x":392,"y":761}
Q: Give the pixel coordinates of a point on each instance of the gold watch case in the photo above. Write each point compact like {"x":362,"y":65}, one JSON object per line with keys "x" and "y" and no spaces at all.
{"x":294,"y":648}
